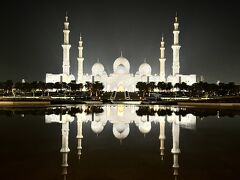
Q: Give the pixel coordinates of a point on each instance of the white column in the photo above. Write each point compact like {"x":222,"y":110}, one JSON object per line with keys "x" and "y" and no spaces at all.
{"x":162,"y":60}
{"x":79,"y":134}
{"x":65,"y":133}
{"x":65,"y":149}
{"x":162,"y":135}
{"x":175,"y":149}
{"x":176,"y":47}
{"x":64,"y":164}
{"x":66,"y":48}
{"x":175,"y":134}
{"x":80,"y":61}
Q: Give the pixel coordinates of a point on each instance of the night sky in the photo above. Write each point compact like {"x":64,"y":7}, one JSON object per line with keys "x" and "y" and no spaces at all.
{"x":31,"y":34}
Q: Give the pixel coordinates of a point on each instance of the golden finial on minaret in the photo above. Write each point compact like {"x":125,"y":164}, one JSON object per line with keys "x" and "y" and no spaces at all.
{"x":176,"y":17}
{"x":66,"y":17}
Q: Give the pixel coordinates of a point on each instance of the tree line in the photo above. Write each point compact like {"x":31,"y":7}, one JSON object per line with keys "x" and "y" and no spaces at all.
{"x":40,"y":88}
{"x":200,"y":89}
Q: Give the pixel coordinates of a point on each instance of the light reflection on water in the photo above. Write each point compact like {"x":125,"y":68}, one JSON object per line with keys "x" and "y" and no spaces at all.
{"x":115,"y":142}
{"x":120,"y":117}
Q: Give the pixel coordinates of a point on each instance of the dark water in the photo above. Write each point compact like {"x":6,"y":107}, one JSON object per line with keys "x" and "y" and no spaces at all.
{"x":117,"y":144}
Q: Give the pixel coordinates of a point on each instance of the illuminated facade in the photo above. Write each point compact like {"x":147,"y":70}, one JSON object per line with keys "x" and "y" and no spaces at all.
{"x":121,"y":79}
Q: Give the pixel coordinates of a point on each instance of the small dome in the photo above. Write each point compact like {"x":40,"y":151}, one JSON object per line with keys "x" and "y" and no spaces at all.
{"x":123,"y":62}
{"x":145,"y":69}
{"x":144,"y":127}
{"x":121,"y":130}
{"x":97,"y":69}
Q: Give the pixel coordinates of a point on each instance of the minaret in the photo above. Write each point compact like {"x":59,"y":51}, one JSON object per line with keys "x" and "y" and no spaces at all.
{"x":64,"y":165}
{"x":80,"y":60}
{"x":66,"y":48}
{"x":162,"y":135}
{"x":162,"y":60}
{"x":176,"y":47}
{"x":175,"y":149}
{"x":79,"y":135}
{"x":65,"y":149}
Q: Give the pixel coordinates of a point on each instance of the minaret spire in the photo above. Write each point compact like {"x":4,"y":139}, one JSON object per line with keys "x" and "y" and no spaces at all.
{"x":162,"y":60}
{"x":80,"y":60}
{"x":66,"y":17}
{"x":176,"y":47}
{"x":176,"y":17}
{"x":66,"y":50}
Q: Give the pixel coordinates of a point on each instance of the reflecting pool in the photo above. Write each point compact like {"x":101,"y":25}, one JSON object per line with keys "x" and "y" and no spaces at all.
{"x":115,"y":142}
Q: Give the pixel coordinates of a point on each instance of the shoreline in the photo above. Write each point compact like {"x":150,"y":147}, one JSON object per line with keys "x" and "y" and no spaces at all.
{"x":24,"y":102}
{"x":209,"y":104}
{"x":48,"y":101}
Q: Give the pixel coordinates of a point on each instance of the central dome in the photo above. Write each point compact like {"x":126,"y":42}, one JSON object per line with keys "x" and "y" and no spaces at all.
{"x":121,"y":65}
{"x":120,"y":130}
{"x":121,"y":69}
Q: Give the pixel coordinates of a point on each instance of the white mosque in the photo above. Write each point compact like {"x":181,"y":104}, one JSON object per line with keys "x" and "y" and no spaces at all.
{"x":121,"y":79}
{"x":120,"y":117}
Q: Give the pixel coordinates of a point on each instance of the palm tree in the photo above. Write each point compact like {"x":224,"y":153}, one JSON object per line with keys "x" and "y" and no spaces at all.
{"x":7,"y":86}
{"x":41,"y":86}
{"x":161,"y":86}
{"x":26,"y":87}
{"x":88,"y":86}
{"x":80,"y":86}
{"x":142,"y":87}
{"x":169,"y":86}
{"x":97,"y":87}
{"x":49,"y":86}
{"x":177,"y":86}
{"x":197,"y":89}
{"x":18,"y":86}
{"x":151,"y":86}
{"x":33,"y":86}
{"x":182,"y":87}
{"x":58,"y":86}
{"x":232,"y":89}
{"x":212,"y":89}
{"x":222,"y":89}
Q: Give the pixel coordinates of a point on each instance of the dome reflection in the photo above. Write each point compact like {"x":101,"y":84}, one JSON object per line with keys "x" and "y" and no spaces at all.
{"x":120,"y":117}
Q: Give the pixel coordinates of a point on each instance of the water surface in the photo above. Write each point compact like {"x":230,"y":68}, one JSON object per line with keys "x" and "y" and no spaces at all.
{"x":118,"y":142}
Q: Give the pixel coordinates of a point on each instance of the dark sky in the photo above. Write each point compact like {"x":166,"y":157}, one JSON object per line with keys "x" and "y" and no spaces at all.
{"x":31,"y":33}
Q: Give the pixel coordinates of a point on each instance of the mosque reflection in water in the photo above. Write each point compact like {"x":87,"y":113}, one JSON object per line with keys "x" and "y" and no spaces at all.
{"x":120,"y":116}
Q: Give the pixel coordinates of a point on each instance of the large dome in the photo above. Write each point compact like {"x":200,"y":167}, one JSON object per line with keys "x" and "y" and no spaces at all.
{"x":97,"y":69}
{"x":121,"y":130}
{"x":121,"y":64}
{"x":145,"y":69}
{"x":121,"y":69}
